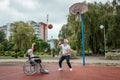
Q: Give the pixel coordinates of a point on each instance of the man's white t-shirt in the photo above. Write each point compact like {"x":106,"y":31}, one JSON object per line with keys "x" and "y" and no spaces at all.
{"x":65,"y":48}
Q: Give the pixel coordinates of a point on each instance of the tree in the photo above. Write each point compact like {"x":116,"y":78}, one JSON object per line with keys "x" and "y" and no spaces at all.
{"x":116,"y":28}
{"x":22,"y":36}
{"x":75,"y":37}
{"x":7,"y":45}
{"x":98,"y":14}
{"x":41,"y":45}
{"x":2,"y":36}
{"x":93,"y":36}
{"x":1,"y":48}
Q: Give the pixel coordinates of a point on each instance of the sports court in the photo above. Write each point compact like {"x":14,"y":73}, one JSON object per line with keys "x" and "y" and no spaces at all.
{"x":15,"y":72}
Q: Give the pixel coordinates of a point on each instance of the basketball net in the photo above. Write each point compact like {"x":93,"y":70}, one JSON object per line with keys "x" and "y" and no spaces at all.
{"x":78,"y":17}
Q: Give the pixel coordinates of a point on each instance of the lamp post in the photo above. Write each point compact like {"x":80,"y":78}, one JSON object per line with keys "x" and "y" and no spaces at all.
{"x":102,"y":27}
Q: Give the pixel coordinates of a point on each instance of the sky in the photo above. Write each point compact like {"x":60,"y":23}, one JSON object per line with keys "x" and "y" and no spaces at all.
{"x":37,"y":10}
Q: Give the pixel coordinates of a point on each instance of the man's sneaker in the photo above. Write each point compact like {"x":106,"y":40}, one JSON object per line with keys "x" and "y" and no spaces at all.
{"x":60,"y":69}
{"x":70,"y":69}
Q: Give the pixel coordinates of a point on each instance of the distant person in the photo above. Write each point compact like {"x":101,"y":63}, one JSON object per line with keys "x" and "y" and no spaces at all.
{"x":65,"y":54}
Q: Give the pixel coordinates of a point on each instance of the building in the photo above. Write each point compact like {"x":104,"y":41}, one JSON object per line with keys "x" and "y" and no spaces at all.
{"x":52,"y":43}
{"x":40,"y":28}
{"x":7,"y":30}
{"x":44,"y":30}
{"x":36,"y":28}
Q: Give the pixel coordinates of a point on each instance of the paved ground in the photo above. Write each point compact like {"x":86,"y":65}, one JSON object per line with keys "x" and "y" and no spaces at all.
{"x":14,"y":72}
{"x":88,"y":60}
{"x":9,"y":70}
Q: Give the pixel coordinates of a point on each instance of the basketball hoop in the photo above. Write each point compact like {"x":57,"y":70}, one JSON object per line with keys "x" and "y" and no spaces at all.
{"x":78,"y":9}
{"x":77,"y":17}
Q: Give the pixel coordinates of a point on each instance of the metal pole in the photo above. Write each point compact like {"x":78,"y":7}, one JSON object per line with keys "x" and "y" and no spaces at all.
{"x":47,"y":26}
{"x":104,"y":40}
{"x":83,"y":54}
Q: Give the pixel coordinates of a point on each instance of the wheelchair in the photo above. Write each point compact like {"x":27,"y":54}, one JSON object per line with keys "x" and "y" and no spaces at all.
{"x":33,"y":65}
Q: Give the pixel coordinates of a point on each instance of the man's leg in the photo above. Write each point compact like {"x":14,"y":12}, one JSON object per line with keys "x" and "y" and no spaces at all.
{"x":61,"y":60}
{"x":68,"y":61}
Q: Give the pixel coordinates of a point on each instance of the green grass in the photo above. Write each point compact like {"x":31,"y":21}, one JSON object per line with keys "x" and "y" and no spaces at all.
{"x":46,"y":56}
{"x":6,"y":57}
{"x":41,"y":56}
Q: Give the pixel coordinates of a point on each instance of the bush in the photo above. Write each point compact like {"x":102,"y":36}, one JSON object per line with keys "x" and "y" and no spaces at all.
{"x":7,"y":53}
{"x":73,"y":54}
{"x":21,"y":55}
{"x":1,"y":47}
{"x":86,"y":54}
{"x":112,"y":56}
{"x":39,"y":53}
{"x":2,"y":53}
{"x":42,"y":53}
{"x":16,"y":55}
{"x":26,"y":54}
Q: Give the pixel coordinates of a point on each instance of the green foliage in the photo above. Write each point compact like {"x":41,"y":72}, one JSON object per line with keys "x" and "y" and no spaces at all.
{"x":86,"y":54}
{"x":2,"y":36}
{"x":7,"y":53}
{"x":98,"y":14}
{"x":73,"y":54}
{"x":22,"y":36}
{"x":55,"y":42}
{"x":112,"y":56}
{"x":1,"y":47}
{"x":41,"y":45}
{"x":93,"y":35}
{"x":72,"y":32}
{"x":7,"y":45}
{"x":17,"y":54}
{"x":1,"y":50}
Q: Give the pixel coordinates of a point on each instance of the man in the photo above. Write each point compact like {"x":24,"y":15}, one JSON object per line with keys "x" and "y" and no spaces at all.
{"x":65,"y":54}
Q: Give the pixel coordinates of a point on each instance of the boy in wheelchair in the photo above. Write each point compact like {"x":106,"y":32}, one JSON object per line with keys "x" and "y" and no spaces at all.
{"x":37,"y":59}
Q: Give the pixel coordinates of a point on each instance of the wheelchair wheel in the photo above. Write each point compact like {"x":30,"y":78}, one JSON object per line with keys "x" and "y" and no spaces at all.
{"x":30,"y":67}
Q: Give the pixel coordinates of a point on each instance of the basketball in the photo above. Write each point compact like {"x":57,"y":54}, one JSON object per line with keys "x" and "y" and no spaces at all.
{"x":50,"y":26}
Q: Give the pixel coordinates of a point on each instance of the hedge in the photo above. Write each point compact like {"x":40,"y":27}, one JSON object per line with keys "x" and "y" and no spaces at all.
{"x":112,"y":56}
{"x":73,"y":54}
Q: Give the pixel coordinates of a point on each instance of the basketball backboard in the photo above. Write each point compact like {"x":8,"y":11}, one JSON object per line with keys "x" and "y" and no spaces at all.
{"x":78,"y":8}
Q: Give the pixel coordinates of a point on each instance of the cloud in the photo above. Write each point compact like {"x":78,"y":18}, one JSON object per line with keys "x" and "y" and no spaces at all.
{"x":24,"y":5}
{"x":54,"y":31}
{"x":37,"y":10}
{"x":4,"y":4}
{"x":8,"y":14}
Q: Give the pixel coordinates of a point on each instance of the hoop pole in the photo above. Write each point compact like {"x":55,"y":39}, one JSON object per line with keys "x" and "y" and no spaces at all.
{"x":83,"y":49}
